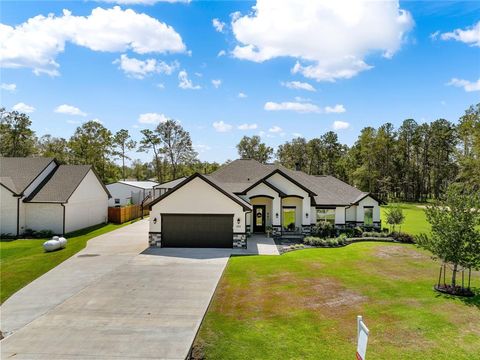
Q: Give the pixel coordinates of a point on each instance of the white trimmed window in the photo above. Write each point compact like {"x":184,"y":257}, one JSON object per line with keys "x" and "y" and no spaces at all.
{"x":325,"y":215}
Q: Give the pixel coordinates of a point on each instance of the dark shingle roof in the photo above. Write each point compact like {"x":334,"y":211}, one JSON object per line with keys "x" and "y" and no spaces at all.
{"x":59,"y":186}
{"x":18,"y":173}
{"x":328,"y":190}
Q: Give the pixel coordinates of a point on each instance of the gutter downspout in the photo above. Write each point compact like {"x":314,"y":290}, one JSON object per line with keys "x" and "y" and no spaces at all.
{"x":63,"y":226}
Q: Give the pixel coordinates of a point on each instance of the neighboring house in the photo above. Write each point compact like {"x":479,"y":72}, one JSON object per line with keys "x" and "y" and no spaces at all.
{"x":128,"y":192}
{"x":40,"y":194}
{"x":162,"y":188}
{"x":245,"y":196}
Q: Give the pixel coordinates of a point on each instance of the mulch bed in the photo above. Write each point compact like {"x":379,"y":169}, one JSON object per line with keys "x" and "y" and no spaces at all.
{"x":454,"y":290}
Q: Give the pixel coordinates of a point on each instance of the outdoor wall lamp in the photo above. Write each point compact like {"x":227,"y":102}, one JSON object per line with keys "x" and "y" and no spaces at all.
{"x":306,"y":215}
{"x":154,"y":220}
{"x":238,"y":221}
{"x":276,"y":215}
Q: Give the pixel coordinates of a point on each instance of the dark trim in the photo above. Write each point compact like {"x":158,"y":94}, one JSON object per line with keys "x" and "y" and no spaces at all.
{"x":380,"y":202}
{"x":255,"y":228}
{"x":240,"y":233}
{"x":35,"y":178}
{"x":63,"y":227}
{"x":294,"y":196}
{"x":262,"y":181}
{"x":326,"y":207}
{"x":259,"y":196}
{"x":288,"y":207}
{"x":6,"y":187}
{"x":154,"y":232}
{"x":18,"y":214}
{"x":190,"y":178}
{"x":196,"y":214}
{"x":280,"y":192}
{"x":368,"y":207}
{"x":278,"y":171}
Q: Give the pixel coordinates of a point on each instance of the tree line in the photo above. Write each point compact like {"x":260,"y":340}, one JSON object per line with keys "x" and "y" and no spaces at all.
{"x":415,"y":162}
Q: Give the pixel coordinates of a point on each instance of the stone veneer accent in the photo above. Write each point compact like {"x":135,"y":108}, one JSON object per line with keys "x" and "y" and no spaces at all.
{"x":239,"y":240}
{"x":155,"y":239}
{"x":277,"y":230}
{"x":306,"y":229}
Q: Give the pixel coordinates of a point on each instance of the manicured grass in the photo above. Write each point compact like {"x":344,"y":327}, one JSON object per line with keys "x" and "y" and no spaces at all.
{"x":415,"y":219}
{"x":23,"y":260}
{"x":303,"y":305}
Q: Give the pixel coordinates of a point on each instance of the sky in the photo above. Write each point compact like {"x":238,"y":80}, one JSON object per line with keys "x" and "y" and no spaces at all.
{"x":225,"y":69}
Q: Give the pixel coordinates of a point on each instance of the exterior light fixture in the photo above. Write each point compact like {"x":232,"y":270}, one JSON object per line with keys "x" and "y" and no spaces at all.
{"x":154,"y":220}
{"x":276,"y":215}
{"x":238,"y":221}
{"x":306,"y":215}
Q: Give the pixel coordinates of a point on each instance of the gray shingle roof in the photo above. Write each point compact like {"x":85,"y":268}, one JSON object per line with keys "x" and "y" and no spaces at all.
{"x":241,"y":174}
{"x":59,"y":186}
{"x":17,"y":173}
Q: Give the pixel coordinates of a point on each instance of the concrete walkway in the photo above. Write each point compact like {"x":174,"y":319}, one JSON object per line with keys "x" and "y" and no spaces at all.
{"x":261,"y":245}
{"x":114,"y":301}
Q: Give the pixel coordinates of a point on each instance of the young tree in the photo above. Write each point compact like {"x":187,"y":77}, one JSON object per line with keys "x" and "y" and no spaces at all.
{"x":123,"y":142}
{"x":454,"y":239}
{"x":16,"y":137}
{"x":151,"y":141}
{"x":50,"y":146}
{"x":395,"y":216}
{"x":176,"y":144}
{"x":253,"y":148}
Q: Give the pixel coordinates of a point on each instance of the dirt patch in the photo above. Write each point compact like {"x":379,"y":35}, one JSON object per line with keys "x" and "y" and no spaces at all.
{"x":391,"y":251}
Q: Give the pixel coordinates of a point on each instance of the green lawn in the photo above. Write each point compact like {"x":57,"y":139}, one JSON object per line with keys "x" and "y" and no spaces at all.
{"x":303,"y":305}
{"x":415,"y":219}
{"x":23,"y":260}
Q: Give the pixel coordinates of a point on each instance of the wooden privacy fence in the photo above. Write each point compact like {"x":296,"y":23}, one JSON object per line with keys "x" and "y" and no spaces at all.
{"x":119,"y":215}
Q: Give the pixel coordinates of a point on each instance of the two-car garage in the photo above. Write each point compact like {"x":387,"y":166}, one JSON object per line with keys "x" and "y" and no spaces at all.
{"x":198,"y":213}
{"x":197,"y":230}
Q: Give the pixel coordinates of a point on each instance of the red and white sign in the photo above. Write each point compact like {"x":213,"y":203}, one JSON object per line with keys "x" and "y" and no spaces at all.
{"x":362,"y":338}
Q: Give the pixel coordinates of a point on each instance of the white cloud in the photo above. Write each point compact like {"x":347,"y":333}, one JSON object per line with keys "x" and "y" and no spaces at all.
{"x":340,"y":125}
{"x":302,"y":99}
{"x":301,"y":107}
{"x":467,"y":85}
{"x":69,"y":109}
{"x":222,"y":53}
{"x":242,"y":95}
{"x":185,"y":83}
{"x":140,"y":68}
{"x":470,"y":35}
{"x":216,"y":83}
{"x":247,"y":127}
{"x":337,"y":109}
{"x":152,"y":118}
{"x":37,"y":42}
{"x":345,"y":33}
{"x":8,"y":87}
{"x":218,"y":25}
{"x":275,"y":129}
{"x":23,"y":108}
{"x":142,"y":2}
{"x":221,"y":126}
{"x":298,"y":85}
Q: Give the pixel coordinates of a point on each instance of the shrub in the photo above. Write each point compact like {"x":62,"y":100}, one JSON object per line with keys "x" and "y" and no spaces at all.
{"x":40,"y":234}
{"x":7,"y":236}
{"x":313,"y":241}
{"x":333,"y":242}
{"x":373,"y":234}
{"x":403,"y":237}
{"x":348,"y":232}
{"x":324,"y":230}
{"x":358,"y":231}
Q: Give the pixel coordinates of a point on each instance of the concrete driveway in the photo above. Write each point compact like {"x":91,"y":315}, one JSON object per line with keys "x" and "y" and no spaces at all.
{"x":113,"y":300}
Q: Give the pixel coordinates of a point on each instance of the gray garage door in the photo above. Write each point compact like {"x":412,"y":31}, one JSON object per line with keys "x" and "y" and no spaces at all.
{"x":197,"y":230}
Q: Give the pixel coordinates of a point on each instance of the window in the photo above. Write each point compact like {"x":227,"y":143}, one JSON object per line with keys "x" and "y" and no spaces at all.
{"x":368,"y":216}
{"x":117,"y":201}
{"x":326,"y":215}
{"x":288,"y":220}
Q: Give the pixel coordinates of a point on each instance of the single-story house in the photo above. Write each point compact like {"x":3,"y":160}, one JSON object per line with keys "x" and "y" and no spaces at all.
{"x":128,"y":192}
{"x":245,"y":196}
{"x":40,"y":194}
{"x":162,"y":188}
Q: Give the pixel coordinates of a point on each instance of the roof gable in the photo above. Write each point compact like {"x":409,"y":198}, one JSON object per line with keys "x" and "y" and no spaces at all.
{"x":17,"y":173}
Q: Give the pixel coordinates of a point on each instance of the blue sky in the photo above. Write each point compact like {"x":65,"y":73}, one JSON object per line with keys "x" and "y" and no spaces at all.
{"x":421,"y":61}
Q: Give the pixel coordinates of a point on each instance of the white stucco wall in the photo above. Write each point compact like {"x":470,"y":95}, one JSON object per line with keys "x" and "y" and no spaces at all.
{"x":290,"y":188}
{"x":126,"y":193}
{"x":87,"y":206}
{"x":197,"y":197}
{"x":8,"y":212}
{"x":273,"y":205}
{"x":368,"y":201}
{"x":41,"y":216}
{"x":269,"y":213}
{"x":340,"y":215}
{"x":352,"y":213}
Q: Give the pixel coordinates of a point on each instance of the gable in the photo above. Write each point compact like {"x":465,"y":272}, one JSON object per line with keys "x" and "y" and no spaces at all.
{"x":286,"y":185}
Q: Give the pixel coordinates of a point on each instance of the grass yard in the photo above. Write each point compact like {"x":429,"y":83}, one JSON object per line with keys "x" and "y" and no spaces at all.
{"x":415,"y":219}
{"x":303,"y":305}
{"x":23,"y":260}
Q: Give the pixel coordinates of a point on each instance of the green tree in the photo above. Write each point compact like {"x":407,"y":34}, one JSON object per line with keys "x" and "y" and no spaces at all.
{"x":294,"y":154}
{"x":56,"y":147}
{"x":176,"y":144}
{"x":454,"y":239}
{"x":253,"y":148}
{"x":16,"y":136}
{"x":469,"y":151}
{"x":151,"y":141}
{"x":394,"y":216}
{"x":123,"y":142}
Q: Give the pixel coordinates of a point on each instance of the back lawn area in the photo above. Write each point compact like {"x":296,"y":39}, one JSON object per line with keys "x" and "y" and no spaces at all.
{"x":24,"y":260}
{"x":415,"y":219}
{"x":303,"y":305}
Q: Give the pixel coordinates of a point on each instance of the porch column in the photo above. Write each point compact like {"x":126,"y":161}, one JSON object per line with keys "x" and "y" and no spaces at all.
{"x":276,"y":215}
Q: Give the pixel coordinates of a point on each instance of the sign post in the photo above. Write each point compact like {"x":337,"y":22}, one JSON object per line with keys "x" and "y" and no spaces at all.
{"x":362,"y":338}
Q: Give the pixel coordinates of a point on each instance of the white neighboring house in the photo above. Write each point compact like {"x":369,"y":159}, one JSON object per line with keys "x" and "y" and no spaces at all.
{"x":162,"y":188}
{"x":126,"y":192}
{"x":40,"y":194}
{"x":245,"y":196}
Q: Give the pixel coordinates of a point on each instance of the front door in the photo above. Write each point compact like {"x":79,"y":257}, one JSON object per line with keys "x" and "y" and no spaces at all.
{"x":259,"y":218}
